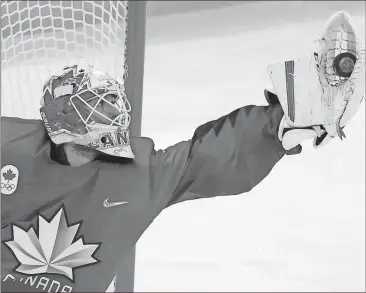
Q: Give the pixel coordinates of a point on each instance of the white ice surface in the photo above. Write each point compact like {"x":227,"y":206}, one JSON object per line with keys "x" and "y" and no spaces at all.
{"x":303,"y":227}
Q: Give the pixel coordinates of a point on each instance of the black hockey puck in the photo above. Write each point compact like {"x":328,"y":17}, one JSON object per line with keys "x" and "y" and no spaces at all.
{"x":344,"y":64}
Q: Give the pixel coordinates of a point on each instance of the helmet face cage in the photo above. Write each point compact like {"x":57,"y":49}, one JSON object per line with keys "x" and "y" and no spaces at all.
{"x":97,"y":87}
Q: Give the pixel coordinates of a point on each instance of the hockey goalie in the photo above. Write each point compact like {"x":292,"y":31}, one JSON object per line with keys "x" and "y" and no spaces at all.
{"x":81,"y":193}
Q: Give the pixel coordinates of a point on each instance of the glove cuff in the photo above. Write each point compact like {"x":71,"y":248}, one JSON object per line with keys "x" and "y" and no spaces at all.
{"x":291,"y":137}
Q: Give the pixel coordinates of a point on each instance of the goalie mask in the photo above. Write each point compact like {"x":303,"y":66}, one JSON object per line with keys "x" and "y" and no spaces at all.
{"x":89,"y":108}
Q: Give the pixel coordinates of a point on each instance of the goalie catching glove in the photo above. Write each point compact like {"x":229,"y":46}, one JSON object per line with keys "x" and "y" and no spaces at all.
{"x":320,"y":93}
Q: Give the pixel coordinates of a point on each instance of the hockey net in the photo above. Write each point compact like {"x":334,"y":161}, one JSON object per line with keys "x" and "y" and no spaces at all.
{"x":40,"y":38}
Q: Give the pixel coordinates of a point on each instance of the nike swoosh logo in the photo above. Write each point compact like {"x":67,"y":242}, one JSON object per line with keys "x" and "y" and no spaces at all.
{"x":108,"y":204}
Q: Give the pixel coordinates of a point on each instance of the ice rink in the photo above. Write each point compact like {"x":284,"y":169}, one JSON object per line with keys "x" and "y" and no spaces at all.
{"x":303,"y":227}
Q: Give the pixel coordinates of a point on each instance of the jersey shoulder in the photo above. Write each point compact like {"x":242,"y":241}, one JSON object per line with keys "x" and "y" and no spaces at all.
{"x":143,"y":148}
{"x":15,"y":129}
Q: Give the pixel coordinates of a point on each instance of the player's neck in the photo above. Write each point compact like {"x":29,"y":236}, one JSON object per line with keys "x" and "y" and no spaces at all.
{"x":78,"y":155}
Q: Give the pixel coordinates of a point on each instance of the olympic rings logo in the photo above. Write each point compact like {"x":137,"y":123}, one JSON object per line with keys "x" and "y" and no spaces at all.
{"x":8,"y":186}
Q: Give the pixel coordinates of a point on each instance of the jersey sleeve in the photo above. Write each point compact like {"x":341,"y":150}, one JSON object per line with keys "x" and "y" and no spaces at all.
{"x":227,"y":156}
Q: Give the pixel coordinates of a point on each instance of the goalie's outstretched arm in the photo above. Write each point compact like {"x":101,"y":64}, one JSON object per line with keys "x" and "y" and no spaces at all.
{"x":227,"y":156}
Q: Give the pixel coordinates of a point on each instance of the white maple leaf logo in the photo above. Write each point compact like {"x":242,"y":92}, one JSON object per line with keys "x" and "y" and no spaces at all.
{"x":54,"y":251}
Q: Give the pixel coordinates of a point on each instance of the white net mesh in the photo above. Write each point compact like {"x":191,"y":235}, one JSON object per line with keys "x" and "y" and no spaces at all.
{"x":39,"y":38}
